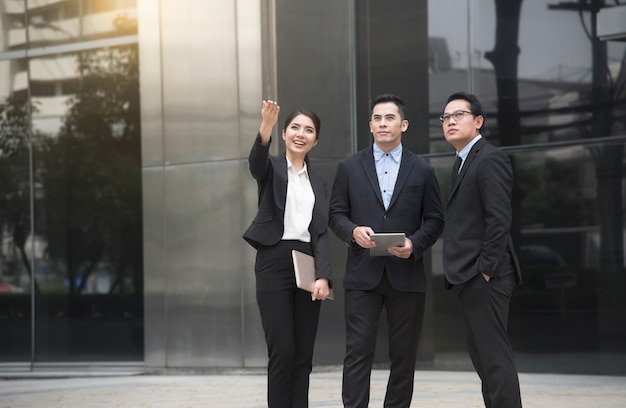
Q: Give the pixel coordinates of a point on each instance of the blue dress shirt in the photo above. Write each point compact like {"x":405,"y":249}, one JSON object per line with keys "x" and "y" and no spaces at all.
{"x":387,"y":167}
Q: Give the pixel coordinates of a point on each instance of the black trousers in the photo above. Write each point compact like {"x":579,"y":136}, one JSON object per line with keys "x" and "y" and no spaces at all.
{"x":289,"y":318}
{"x":405,"y":313}
{"x":485,"y":310}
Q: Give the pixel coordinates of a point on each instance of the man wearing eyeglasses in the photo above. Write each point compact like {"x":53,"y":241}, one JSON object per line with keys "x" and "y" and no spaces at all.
{"x":479,"y":262}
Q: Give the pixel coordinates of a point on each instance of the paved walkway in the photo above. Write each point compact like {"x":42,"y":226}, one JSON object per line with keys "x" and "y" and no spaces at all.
{"x":242,"y":390}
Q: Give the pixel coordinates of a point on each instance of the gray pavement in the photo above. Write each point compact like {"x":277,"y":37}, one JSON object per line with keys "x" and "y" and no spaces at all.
{"x":239,"y":389}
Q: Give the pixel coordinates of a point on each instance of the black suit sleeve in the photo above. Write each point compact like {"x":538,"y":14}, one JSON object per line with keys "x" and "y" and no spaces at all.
{"x":495,"y":182}
{"x":258,"y":159}
{"x":339,"y":210}
{"x":432,"y":214}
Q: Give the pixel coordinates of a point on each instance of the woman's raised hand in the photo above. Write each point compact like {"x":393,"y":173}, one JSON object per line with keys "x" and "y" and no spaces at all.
{"x":269,"y":115}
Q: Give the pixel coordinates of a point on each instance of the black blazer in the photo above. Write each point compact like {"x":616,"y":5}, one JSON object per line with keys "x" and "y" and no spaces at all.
{"x":415,"y":209}
{"x":476,"y":236}
{"x":268,"y":225}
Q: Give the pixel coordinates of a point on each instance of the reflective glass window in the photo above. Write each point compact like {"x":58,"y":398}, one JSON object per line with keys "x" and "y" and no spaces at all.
{"x":70,"y":195}
{"x":554,"y":98}
{"x":88,"y":205}
{"x":12,"y":25}
{"x":16,"y":267}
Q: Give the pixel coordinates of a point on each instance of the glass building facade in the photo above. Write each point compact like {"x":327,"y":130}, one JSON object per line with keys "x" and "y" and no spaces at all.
{"x":70,"y":151}
{"x":125,"y":127}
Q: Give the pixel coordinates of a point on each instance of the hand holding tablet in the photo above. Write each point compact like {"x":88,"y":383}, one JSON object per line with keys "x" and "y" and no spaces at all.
{"x":304,"y":267}
{"x":385,"y":240}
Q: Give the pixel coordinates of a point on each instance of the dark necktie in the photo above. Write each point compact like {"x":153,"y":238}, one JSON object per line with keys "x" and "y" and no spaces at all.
{"x":455,"y":170}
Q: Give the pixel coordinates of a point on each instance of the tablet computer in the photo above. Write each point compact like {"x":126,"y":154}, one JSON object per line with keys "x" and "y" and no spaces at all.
{"x":304,"y":267}
{"x":385,"y":240}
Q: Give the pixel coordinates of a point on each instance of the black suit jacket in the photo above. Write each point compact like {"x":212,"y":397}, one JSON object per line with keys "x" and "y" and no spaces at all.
{"x":476,"y":235}
{"x":415,"y":209}
{"x":268,"y":225}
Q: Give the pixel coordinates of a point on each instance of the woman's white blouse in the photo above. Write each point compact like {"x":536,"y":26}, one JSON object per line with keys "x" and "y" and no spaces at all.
{"x":299,"y":205}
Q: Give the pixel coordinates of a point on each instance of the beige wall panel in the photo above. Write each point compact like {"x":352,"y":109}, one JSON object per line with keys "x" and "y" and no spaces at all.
{"x":155,"y":273}
{"x":200,"y":89}
{"x":204,"y":265}
{"x":255,"y":351}
{"x":249,"y":71}
{"x":150,"y":88}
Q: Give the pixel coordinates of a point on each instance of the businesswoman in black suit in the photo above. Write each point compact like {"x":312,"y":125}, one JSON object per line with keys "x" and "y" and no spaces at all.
{"x":292,"y":214}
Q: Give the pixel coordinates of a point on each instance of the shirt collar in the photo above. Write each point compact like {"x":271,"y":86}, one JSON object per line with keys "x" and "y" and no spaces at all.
{"x":303,"y":170}
{"x":465,"y":151}
{"x":395,"y":154}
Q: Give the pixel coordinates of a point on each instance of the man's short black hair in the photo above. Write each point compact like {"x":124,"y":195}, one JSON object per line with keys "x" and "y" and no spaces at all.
{"x":384,"y":98}
{"x":474,"y":103}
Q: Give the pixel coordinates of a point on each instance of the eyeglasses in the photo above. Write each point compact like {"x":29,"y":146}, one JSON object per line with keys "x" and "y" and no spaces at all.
{"x":458,"y":115}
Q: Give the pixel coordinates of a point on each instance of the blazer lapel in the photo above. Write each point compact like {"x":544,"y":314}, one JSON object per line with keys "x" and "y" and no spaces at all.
{"x":318,"y":190}
{"x":280,"y":182}
{"x":367,"y":160}
{"x":467,"y":164}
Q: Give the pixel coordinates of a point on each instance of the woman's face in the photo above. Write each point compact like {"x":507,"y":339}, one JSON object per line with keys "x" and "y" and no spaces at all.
{"x":300,"y":136}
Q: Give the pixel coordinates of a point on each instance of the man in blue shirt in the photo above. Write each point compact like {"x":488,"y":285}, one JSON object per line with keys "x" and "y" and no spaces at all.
{"x":384,"y":188}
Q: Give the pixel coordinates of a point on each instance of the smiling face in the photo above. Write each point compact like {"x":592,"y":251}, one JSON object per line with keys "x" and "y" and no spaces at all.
{"x":387,"y":125}
{"x":300,"y":136}
{"x":460,"y":132}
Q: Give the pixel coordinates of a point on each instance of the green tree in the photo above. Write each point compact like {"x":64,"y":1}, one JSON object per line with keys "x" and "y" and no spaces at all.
{"x":91,"y":175}
{"x":15,"y":174}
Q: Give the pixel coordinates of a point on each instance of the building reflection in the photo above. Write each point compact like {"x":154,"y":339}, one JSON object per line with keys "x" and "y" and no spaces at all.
{"x":124,"y":189}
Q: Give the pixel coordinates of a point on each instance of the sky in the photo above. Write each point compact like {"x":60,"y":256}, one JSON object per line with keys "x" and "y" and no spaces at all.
{"x":552,"y":42}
